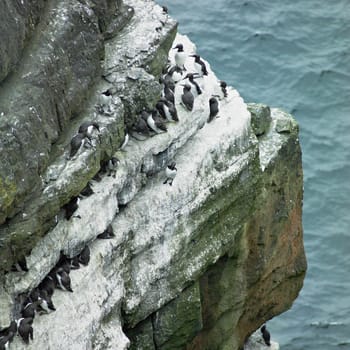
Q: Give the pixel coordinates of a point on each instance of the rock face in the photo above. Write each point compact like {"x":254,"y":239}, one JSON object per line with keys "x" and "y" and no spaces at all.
{"x":200,"y":264}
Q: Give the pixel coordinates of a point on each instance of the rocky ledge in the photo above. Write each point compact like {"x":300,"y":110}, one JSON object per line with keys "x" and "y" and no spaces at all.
{"x":200,"y":264}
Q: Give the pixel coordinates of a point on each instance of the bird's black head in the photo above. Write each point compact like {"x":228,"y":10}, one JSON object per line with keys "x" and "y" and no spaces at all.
{"x":223,"y":84}
{"x":172,"y":166}
{"x":263,"y":328}
{"x":212,"y":100}
{"x":196,"y":57}
{"x":187,"y":87}
{"x":107,"y":93}
{"x":179,"y":47}
{"x":96,"y":126}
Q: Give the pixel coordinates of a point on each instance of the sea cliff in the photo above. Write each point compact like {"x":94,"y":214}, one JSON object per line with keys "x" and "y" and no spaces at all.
{"x":200,"y":264}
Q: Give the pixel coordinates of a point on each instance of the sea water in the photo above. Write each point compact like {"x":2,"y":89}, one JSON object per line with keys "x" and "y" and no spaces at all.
{"x":295,"y":55}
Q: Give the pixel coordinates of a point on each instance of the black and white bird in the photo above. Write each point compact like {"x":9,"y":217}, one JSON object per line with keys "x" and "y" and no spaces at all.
{"x":48,"y":284}
{"x":84,"y":256}
{"x":213,"y":109}
{"x":112,"y":166}
{"x":140,"y":126}
{"x":195,"y":88}
{"x":107,"y":233}
{"x":87,"y":128}
{"x":155,"y":122}
{"x":266,"y":335}
{"x":105,"y":100}
{"x":7,"y":335}
{"x":20,"y":265}
{"x":71,"y":207}
{"x":46,"y":304}
{"x":176,"y":73}
{"x":25,"y":329}
{"x":223,"y":86}
{"x":86,"y":191}
{"x":199,"y":65}
{"x":63,"y":280}
{"x":187,"y":97}
{"x":29,"y":310}
{"x":125,"y":141}
{"x":167,"y":110}
{"x":180,"y":56}
{"x":170,"y":173}
{"x":76,"y":143}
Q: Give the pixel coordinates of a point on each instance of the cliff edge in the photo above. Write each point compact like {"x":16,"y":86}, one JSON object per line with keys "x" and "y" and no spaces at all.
{"x":200,"y":264}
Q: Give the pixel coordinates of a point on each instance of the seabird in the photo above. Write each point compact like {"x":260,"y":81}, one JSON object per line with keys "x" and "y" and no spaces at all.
{"x":169,"y":94}
{"x":112,"y":166}
{"x":46,"y":305}
{"x":74,"y":263}
{"x":30,"y":309}
{"x":167,"y":110}
{"x":105,"y":100}
{"x":125,"y":141}
{"x":199,"y":65}
{"x":176,"y":73}
{"x":180,"y":56}
{"x":214,"y":108}
{"x":107,"y":233}
{"x":76,"y":142}
{"x":71,"y":207}
{"x":25,"y":329}
{"x":154,"y":121}
{"x":223,"y":86}
{"x":63,"y":280}
{"x":84,"y":256}
{"x":170,"y":173}
{"x":140,"y":126}
{"x":7,"y":335}
{"x":48,"y":284}
{"x":86,"y":191}
{"x":187,"y":97}
{"x":20,"y":265}
{"x":266,"y":335}
{"x":87,"y":128}
{"x":194,"y":84}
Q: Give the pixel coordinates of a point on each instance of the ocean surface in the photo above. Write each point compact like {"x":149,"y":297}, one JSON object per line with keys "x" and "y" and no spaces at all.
{"x":295,"y":55}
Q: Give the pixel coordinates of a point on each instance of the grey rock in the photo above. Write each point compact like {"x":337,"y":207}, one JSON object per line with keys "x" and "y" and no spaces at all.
{"x":261,"y":118}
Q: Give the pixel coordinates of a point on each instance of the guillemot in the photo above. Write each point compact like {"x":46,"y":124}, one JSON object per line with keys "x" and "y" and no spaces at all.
{"x":199,"y":65}
{"x":214,"y":108}
{"x":180,"y":56}
{"x":187,"y":97}
{"x":170,"y":173}
{"x":167,"y":110}
{"x":195,"y":88}
{"x":266,"y":335}
{"x":107,"y":233}
{"x":25,"y":329}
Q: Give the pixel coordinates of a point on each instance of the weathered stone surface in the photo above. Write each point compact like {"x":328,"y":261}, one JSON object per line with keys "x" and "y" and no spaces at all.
{"x":179,"y":321}
{"x":62,"y":180}
{"x":261,"y":117}
{"x":18,"y":20}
